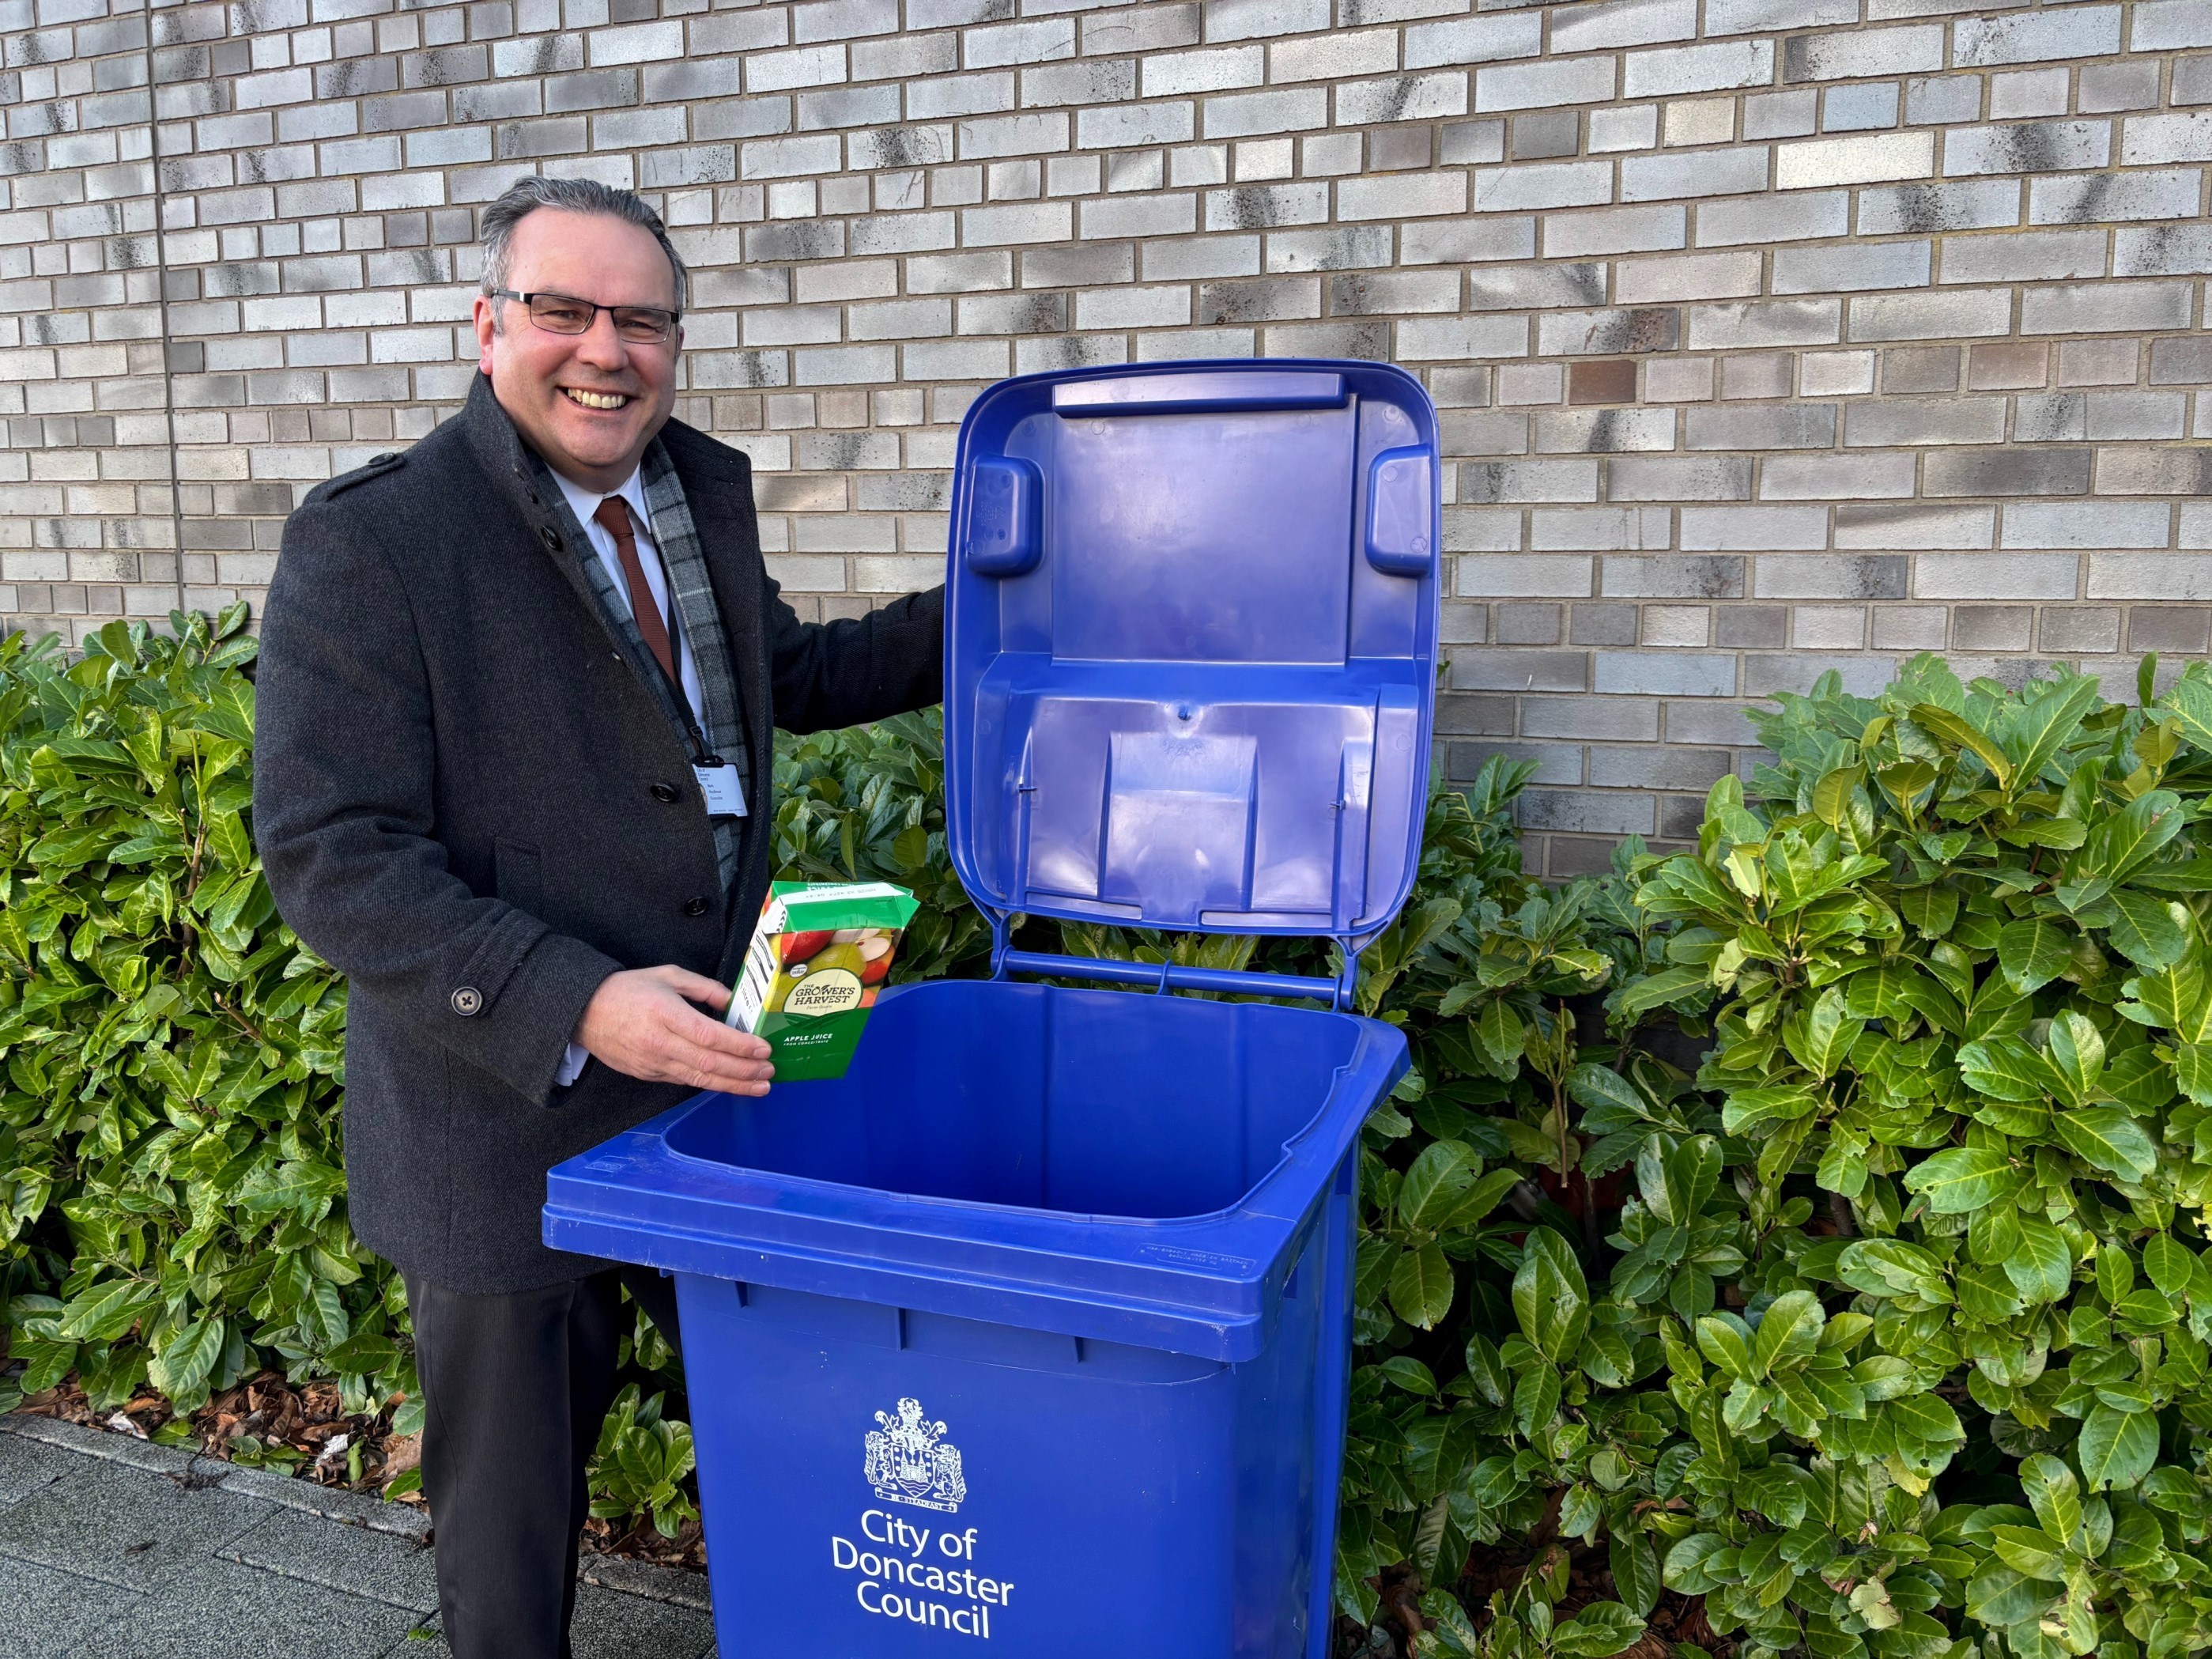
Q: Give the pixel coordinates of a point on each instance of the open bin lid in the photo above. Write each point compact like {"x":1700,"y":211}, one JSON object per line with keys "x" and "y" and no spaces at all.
{"x":1191,"y":615}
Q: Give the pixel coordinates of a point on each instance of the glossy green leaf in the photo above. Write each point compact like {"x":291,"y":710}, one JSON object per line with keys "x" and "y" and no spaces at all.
{"x":1421,"y":1287}
{"x":2106,"y":1137}
{"x":2150,"y":932}
{"x":1962,"y":1179}
{"x":1551,"y":1297}
{"x":2116,"y":1449}
{"x":2033,"y":953}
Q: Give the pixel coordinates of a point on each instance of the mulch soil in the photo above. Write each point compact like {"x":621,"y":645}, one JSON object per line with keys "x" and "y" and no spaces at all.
{"x":271,"y":1422}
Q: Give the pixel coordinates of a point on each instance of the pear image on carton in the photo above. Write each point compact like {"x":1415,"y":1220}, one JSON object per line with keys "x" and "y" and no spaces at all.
{"x":819,"y":955}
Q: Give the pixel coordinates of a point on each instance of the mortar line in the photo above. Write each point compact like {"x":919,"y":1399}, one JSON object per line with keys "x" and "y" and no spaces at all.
{"x":161,"y":298}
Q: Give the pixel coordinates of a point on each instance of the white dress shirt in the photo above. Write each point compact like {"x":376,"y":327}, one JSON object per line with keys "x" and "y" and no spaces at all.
{"x":584,"y":503}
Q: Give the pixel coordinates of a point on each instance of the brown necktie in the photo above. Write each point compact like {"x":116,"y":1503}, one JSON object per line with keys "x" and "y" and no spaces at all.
{"x":613,"y":515}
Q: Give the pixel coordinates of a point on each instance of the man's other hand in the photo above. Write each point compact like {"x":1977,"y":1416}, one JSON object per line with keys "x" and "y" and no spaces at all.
{"x":642,"y":1023}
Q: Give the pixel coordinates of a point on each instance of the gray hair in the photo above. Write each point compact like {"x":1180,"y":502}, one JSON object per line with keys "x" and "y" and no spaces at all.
{"x":526,"y":195}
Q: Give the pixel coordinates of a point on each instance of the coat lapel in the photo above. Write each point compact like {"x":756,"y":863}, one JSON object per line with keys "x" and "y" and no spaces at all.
{"x":518,"y":476}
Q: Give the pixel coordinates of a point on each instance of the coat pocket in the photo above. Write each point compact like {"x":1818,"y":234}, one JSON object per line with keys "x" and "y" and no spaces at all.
{"x":518,"y":875}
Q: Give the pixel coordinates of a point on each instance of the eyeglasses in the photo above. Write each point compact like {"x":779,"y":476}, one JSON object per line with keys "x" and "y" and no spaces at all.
{"x":559,"y":313}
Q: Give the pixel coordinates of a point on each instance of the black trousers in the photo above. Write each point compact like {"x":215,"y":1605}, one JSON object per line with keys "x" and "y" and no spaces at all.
{"x":514,"y":1389}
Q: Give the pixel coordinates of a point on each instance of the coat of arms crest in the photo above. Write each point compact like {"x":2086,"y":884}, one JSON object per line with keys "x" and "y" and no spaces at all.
{"x":909,"y":1462}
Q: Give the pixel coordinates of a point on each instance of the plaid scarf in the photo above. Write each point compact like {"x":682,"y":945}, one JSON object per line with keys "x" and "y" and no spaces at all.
{"x":722,"y":721}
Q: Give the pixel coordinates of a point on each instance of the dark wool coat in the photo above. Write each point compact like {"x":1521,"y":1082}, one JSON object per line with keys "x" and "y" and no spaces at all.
{"x":468,"y":801}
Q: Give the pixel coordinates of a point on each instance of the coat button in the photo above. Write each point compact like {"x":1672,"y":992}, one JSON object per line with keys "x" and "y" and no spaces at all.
{"x":693,"y":906}
{"x":468,"y":1001}
{"x":549,"y":535}
{"x":666,"y":793}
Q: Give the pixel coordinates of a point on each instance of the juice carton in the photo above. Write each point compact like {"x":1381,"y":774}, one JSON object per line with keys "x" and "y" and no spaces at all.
{"x":820,"y":953}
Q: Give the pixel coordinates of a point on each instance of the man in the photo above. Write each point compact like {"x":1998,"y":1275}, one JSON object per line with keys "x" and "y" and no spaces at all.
{"x":517,"y":695}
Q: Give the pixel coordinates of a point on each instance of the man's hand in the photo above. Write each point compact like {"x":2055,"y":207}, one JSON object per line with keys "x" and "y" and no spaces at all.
{"x":642,"y":1023}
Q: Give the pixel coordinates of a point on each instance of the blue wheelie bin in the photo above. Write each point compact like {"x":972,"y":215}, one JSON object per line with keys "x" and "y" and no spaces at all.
{"x":1033,"y":1329}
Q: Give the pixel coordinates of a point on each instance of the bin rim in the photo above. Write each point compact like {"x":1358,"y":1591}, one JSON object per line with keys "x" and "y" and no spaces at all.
{"x":1204,"y":1284}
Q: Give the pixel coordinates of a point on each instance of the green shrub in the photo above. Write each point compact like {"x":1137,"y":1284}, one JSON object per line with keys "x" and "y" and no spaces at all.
{"x":1957,"y":960}
{"x":1810,"y":1224}
{"x":174,"y":1203}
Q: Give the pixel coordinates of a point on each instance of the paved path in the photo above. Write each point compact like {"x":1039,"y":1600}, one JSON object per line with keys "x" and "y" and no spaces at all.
{"x":113,"y":1548}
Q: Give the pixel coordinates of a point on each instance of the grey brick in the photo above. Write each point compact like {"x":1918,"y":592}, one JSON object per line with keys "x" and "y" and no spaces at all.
{"x":2181,"y":361}
{"x":1543,"y":184}
{"x":1845,"y":55}
{"x":1679,"y":478}
{"x":1662,"y":766}
{"x":1484,"y":39}
{"x":2036,"y":37}
{"x":1623,"y":23}
{"x":2098,"y":198}
{"x":1604,"y":333}
{"x":1979,"y":204}
{"x":2149,"y":140}
{"x":1555,"y":763}
{"x":1506,"y":670}
{"x":1605,"y":431}
{"x":1588,"y":812}
{"x":1667,"y":70}
{"x":2085,"y":525}
{"x":1408,"y":98}
{"x":1763,"y":674}
{"x":1932,"y":316}
{"x":1813,"y":477}
{"x":2160,"y":251}
{"x":1754,"y":529}
{"x":1484,"y":482}
{"x":1834,"y":576}
{"x":2126,"y":85}
{"x":1811,"y":163}
{"x":1603,"y":625}
{"x":2009,"y":472}
{"x":2162,"y":25}
{"x":1522,"y":286}
{"x":1876,"y":265}
{"x":1766,"y":219}
{"x":1709,"y":172}
{"x":1601,"y":528}
{"x":1543,"y":85}
{"x":2151,"y":575}
{"x":1919,"y":421}
{"x":1914,"y":526}
{"x":1630,"y":720}
{"x":1525,"y":623}
{"x":1996,"y":575}
{"x":2141,"y":472}
{"x":1617,"y":230}
{"x":2105,"y":307}
{"x":1664,"y":673}
{"x":1765,"y":323}
{"x":2029,"y":147}
{"x":1796,"y":426}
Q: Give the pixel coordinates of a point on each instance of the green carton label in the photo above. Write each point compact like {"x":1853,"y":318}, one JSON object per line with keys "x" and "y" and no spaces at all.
{"x":819,"y":956}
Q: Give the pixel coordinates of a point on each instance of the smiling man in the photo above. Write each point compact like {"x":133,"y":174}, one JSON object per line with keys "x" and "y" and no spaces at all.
{"x":517,"y":696}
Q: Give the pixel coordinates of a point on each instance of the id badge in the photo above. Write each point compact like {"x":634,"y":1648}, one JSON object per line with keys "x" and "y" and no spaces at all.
{"x":725,"y":796}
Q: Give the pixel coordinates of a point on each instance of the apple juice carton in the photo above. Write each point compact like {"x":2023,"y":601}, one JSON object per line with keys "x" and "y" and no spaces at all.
{"x":819,"y":955}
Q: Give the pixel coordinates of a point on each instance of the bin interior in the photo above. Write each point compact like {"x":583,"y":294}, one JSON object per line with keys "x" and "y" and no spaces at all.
{"x":1091,"y":1103}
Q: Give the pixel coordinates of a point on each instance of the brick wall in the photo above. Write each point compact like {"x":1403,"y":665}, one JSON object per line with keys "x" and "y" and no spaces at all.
{"x":1772,"y":336}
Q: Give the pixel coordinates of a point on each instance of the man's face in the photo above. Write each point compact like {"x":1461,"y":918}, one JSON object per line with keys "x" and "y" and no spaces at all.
{"x":589,"y":402}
